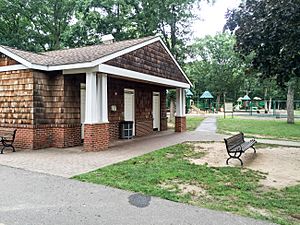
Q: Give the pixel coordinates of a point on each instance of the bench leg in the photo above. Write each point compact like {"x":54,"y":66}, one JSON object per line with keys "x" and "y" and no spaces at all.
{"x":234,"y":158}
{"x":227,"y":160}
{"x":254,"y":149}
{"x":2,"y":150}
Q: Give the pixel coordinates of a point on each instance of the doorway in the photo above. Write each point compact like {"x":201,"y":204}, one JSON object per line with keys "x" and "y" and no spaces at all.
{"x":129,"y":108}
{"x":156,"y":111}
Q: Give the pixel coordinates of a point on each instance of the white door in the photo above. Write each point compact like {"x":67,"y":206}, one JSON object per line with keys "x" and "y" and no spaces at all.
{"x":156,"y":111}
{"x":129,"y":109}
{"x":82,"y":108}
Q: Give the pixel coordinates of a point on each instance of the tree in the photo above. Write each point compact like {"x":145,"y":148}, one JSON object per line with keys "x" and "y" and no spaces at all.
{"x":35,"y":25}
{"x":270,"y":29}
{"x":127,"y":19}
{"x":217,"y":68}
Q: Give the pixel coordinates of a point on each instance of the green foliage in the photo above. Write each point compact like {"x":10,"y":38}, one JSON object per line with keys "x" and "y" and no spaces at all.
{"x":262,"y":128}
{"x":271,"y":30}
{"x":218,"y":68}
{"x":232,"y":189}
{"x":50,"y":24}
{"x":192,"y":122}
{"x":35,"y":25}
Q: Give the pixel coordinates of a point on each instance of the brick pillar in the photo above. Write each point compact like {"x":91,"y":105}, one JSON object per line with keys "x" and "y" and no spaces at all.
{"x":180,"y":124}
{"x":96,"y":137}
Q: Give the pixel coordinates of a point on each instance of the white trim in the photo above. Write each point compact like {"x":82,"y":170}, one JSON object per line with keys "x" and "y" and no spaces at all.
{"x":155,"y":94}
{"x":102,"y":92}
{"x":179,"y":67}
{"x":15,"y":57}
{"x":180,"y":102}
{"x":80,"y":70}
{"x":12,"y":67}
{"x":91,"y":103}
{"x":140,"y":76}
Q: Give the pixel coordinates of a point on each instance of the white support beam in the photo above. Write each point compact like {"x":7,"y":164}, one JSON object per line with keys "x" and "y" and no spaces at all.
{"x":140,"y":76}
{"x":102,"y":93}
{"x":180,"y":102}
{"x":91,"y":103}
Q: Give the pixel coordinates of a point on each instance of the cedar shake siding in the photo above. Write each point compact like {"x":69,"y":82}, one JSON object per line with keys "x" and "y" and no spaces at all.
{"x":44,"y":107}
{"x":41,"y":97}
{"x":152,"y":59}
{"x":6,"y":61}
{"x":143,"y":106}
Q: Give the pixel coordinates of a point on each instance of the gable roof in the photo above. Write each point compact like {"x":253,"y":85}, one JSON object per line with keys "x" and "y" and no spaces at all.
{"x":75,"y":55}
{"x":83,"y":57}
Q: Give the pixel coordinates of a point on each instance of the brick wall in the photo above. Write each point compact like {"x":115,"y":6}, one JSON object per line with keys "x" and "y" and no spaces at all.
{"x":96,"y":137}
{"x":143,"y":106}
{"x":180,"y":124}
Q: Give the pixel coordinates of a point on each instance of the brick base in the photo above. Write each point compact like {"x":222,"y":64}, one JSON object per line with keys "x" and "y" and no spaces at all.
{"x":180,"y":124}
{"x":45,"y":136}
{"x":96,"y":137}
{"x":164,"y":123}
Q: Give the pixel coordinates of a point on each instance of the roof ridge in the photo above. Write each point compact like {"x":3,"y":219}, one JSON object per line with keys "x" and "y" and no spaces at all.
{"x":21,"y":50}
{"x":101,"y":44}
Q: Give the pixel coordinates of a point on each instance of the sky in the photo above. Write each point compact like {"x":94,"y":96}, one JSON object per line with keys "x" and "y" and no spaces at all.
{"x":213,"y":17}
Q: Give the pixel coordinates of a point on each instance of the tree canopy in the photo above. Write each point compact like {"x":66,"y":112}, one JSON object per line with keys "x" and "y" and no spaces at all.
{"x":217,"y":67}
{"x":271,"y":30}
{"x":46,"y":25}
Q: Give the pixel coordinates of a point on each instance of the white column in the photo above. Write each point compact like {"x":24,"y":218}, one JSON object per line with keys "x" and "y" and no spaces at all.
{"x":180,"y":102}
{"x":91,"y":103}
{"x":102,"y":89}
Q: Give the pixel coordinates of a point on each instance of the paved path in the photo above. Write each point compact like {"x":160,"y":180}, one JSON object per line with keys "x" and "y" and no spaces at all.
{"x":208,"y":125}
{"x":73,"y":161}
{"x":30,"y":198}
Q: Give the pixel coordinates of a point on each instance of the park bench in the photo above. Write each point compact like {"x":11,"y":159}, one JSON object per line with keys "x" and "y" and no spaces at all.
{"x":7,"y":138}
{"x":236,"y":146}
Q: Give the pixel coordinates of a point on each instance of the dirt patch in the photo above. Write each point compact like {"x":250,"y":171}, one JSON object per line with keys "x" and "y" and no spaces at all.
{"x":262,"y":212}
{"x":194,"y":189}
{"x":281,"y":164}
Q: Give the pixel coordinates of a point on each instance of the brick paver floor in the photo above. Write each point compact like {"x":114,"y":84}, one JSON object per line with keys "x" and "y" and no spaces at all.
{"x":68,"y":162}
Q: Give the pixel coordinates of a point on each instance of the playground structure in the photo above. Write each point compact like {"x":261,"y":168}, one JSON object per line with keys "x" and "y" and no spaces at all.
{"x":255,"y":107}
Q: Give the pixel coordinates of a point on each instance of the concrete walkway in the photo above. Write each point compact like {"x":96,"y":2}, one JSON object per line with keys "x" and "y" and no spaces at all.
{"x":68,"y":162}
{"x":30,"y":198}
{"x":208,"y":125}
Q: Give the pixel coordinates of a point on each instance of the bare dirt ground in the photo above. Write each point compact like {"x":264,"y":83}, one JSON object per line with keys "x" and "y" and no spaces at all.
{"x":282,"y":164}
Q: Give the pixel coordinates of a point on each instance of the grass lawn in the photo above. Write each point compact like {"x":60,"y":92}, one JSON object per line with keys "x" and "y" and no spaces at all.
{"x":168,"y":174}
{"x":192,"y":122}
{"x":267,"y":128}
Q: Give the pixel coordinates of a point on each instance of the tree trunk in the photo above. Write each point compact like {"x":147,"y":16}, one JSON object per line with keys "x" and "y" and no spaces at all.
{"x":270,"y":104}
{"x":290,"y":103}
{"x":218,"y":102}
{"x":172,"y":109}
{"x":265,"y":100}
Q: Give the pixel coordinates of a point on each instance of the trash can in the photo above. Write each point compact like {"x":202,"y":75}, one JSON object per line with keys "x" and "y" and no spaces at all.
{"x":126,"y":129}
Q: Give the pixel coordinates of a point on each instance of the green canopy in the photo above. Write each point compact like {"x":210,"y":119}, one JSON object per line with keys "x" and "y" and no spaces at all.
{"x":246,"y":98}
{"x":206,"y":95}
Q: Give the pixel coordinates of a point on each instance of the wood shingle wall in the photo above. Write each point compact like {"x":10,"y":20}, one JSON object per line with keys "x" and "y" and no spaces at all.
{"x":6,"y":61}
{"x":143,"y":106}
{"x":152,"y":59}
